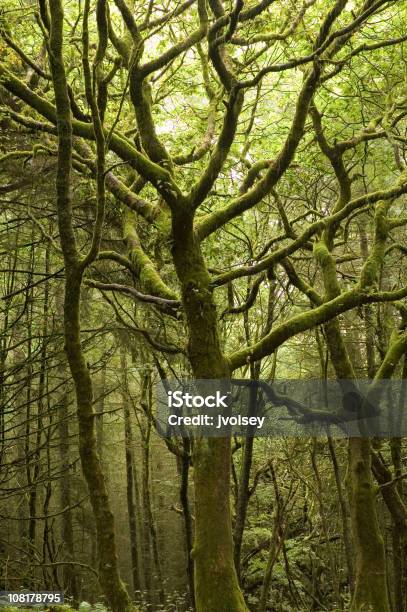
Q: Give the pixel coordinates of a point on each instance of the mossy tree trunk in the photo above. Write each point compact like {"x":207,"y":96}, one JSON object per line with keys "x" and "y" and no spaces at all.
{"x":216,"y":583}
{"x":70,"y":578}
{"x":109,"y":577}
{"x":243,"y":492}
{"x":151,"y":550}
{"x":370,"y":563}
{"x":370,"y":590}
{"x":277,"y":543}
{"x":129,"y":461}
{"x":345,"y":515}
{"x":183,"y":465}
{"x":398,"y":536}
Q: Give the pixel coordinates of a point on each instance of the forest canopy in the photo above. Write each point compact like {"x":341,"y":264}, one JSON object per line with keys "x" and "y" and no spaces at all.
{"x":199,"y":189}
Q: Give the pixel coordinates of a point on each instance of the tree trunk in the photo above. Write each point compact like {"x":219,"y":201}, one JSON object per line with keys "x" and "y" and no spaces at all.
{"x":31,"y":472}
{"x":129,"y":456}
{"x":344,"y":516}
{"x":370,"y":564}
{"x":109,"y":577}
{"x":277,"y":541}
{"x":334,"y":578}
{"x":100,"y":407}
{"x":216,"y":583}
{"x":243,"y":488}
{"x":90,"y":461}
{"x":150,"y":532}
{"x":184,"y":465}
{"x":70,"y":580}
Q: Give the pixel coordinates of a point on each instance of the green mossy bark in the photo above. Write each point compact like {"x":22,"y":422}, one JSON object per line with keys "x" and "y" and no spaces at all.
{"x":370,"y":592}
{"x":144,"y":268}
{"x":109,"y":577}
{"x":216,"y":584}
{"x":120,"y":145}
{"x":370,"y":564}
{"x":371,"y":269}
{"x":113,"y":588}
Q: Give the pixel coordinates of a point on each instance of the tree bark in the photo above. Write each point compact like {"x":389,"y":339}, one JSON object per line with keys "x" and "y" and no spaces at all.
{"x":344,"y":516}
{"x":184,"y":465}
{"x":129,"y":458}
{"x":277,"y":541}
{"x":216,"y":583}
{"x":370,"y":564}
{"x":70,"y":580}
{"x":150,"y":532}
{"x":243,"y":488}
{"x":109,"y":576}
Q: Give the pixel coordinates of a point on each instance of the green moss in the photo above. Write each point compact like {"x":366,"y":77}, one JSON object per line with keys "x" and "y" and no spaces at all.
{"x":328,"y":268}
{"x":370,"y":272}
{"x":144,"y":268}
{"x":216,"y":581}
{"x":371,"y":579}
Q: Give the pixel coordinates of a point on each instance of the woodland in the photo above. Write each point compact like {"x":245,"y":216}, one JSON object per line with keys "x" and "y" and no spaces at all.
{"x":199,"y":189}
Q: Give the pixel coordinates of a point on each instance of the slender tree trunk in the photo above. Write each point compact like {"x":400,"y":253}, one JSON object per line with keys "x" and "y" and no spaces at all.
{"x":150,"y":532}
{"x":370,"y":564}
{"x":370,"y":577}
{"x":100,"y":407}
{"x":70,"y":579}
{"x":242,"y":500}
{"x":4,"y":343}
{"x":129,"y":456}
{"x":140,"y":526}
{"x":31,"y":467}
{"x":277,"y":541}
{"x":343,"y":504}
{"x":243,"y":488}
{"x":243,"y":494}
{"x":324,"y":520}
{"x":186,"y":514}
{"x":273,"y":552}
{"x":90,"y":461}
{"x":109,"y":576}
{"x":146,"y":533}
{"x":344,"y":508}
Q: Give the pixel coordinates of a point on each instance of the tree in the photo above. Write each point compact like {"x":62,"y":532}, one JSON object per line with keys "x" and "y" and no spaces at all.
{"x":115,"y":101}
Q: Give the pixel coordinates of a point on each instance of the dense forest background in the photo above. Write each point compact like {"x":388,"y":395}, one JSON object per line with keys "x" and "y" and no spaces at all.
{"x":199,"y":188}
